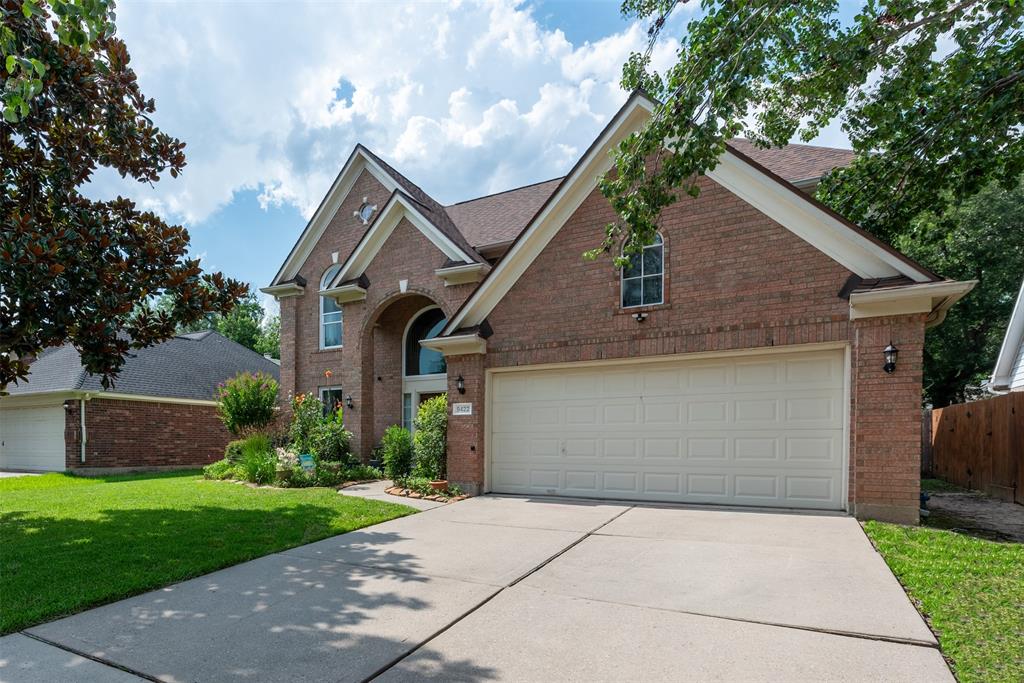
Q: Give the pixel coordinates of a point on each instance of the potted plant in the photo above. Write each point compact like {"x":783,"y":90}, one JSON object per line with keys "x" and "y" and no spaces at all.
{"x":439,"y":485}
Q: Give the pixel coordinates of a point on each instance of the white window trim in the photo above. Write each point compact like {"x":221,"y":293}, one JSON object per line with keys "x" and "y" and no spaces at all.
{"x":340,"y":311}
{"x":405,"y":339}
{"x":641,"y":277}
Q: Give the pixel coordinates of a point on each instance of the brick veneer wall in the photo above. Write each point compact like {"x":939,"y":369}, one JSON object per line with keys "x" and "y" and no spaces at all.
{"x":143,"y":434}
{"x":885,"y":424}
{"x":372,"y":328}
{"x":734,"y":279}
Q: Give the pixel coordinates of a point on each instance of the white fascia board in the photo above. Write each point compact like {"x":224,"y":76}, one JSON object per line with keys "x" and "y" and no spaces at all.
{"x":345,"y":293}
{"x":397,"y":208}
{"x":282,"y":291}
{"x":460,"y":345}
{"x":934,"y":298}
{"x":329,"y":206}
{"x":1011,"y":345}
{"x":41,"y":398}
{"x":570,"y":194}
{"x":52,"y":397}
{"x":462,"y":274}
{"x":815,"y":226}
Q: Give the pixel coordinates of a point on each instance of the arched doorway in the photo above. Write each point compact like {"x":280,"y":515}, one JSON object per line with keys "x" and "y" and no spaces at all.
{"x":424,"y":372}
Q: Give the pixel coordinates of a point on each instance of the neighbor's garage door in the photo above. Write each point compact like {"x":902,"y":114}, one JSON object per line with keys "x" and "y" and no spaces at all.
{"x":32,"y":438}
{"x":749,"y":430}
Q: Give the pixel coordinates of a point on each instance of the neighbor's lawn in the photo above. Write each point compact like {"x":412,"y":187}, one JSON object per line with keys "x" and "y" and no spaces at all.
{"x":971,"y":591}
{"x":68,"y":543}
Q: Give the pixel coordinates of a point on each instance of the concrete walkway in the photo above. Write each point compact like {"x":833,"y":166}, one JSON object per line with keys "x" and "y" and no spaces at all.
{"x":375,"y":490}
{"x":519,"y":589}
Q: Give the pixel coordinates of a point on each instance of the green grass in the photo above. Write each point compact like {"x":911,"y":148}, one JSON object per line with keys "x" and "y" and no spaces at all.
{"x":68,"y":543}
{"x":970,"y":590}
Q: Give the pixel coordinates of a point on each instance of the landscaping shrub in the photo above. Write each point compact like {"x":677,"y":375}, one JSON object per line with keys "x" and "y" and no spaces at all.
{"x":422,"y":486}
{"x":258,"y":463}
{"x":222,"y":469}
{"x":247,"y":402}
{"x":331,"y":442}
{"x":307,"y":415}
{"x":360,"y":472}
{"x":396,"y":452}
{"x":233,"y":452}
{"x":430,"y":442}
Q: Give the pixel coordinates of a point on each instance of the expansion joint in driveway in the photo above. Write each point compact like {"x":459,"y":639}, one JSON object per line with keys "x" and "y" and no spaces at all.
{"x":94,"y":658}
{"x":496,"y":593}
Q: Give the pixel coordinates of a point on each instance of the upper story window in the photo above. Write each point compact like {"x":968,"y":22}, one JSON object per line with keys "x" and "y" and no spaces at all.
{"x":418,"y":360}
{"x":365,"y":211}
{"x":643,"y":278}
{"x":331,"y":323}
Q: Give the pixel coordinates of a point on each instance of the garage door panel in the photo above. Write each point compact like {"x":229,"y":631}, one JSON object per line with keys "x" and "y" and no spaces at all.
{"x":760,"y":430}
{"x":32,"y":438}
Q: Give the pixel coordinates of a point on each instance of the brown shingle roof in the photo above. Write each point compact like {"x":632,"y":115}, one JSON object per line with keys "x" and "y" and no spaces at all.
{"x":501,"y":217}
{"x":431,"y":209}
{"x":795,"y":162}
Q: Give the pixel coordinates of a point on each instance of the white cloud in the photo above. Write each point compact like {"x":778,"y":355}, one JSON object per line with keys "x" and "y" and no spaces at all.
{"x":467,"y":98}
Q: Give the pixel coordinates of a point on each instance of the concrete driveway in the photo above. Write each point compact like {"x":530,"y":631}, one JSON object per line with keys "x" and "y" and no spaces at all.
{"x":518,"y":589}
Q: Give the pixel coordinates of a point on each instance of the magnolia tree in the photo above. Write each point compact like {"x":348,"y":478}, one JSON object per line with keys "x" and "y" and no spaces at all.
{"x":78,"y":269}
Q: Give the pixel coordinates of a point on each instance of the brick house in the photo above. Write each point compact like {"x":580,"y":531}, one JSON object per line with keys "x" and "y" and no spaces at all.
{"x":160,"y":413}
{"x":738,"y":360}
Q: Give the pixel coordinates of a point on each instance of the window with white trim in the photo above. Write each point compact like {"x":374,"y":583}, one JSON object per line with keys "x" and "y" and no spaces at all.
{"x":643,"y":278}
{"x":332,"y":398}
{"x":331,"y":323}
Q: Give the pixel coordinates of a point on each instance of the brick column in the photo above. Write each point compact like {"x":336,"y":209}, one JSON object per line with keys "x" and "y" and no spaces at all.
{"x":885,"y":422}
{"x":466,"y":432}
{"x":288,"y":336}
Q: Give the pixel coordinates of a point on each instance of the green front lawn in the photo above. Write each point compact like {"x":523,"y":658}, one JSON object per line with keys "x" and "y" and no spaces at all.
{"x":68,"y":543}
{"x":970,"y":590}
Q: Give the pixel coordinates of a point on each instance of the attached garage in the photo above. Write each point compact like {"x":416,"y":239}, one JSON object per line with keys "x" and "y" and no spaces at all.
{"x":32,"y":438}
{"x":761,"y":430}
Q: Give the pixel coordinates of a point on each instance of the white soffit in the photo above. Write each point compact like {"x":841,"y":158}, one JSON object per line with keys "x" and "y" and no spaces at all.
{"x":789,"y":208}
{"x":545,"y":225}
{"x":811,"y":223}
{"x":397,"y":208}
{"x":332,"y":201}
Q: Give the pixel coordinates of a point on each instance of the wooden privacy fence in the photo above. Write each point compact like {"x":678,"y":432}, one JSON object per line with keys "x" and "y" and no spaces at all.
{"x":979,"y":445}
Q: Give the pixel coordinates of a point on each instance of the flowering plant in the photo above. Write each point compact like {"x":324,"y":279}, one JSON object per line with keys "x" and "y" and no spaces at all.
{"x":247,"y":402}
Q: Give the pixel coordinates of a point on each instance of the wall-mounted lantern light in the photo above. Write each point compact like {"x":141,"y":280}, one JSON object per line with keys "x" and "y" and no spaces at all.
{"x":460,"y":384}
{"x":348,"y":401}
{"x":891,"y":353}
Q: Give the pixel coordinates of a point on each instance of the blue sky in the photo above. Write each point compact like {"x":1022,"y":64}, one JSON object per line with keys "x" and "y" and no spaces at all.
{"x":465,"y":98}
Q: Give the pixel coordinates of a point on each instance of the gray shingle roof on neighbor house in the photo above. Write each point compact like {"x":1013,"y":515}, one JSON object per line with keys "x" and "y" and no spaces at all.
{"x":187,"y":366}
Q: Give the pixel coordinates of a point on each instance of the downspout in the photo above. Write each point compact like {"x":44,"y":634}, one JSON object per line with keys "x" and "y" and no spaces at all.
{"x":81,"y":415}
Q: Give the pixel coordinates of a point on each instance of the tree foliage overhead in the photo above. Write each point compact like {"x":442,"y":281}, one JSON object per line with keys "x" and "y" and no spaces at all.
{"x":76,"y":269}
{"x":983,"y":240}
{"x":930,"y":93}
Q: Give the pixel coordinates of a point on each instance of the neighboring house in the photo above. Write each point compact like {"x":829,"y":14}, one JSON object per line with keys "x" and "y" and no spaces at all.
{"x":737,"y":361}
{"x":160,"y":413}
{"x":1009,"y":371}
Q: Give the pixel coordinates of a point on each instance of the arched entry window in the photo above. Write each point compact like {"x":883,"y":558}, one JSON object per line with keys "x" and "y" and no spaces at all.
{"x":418,"y":360}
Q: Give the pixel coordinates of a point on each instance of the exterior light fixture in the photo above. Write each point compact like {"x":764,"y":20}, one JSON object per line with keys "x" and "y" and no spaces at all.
{"x":348,"y":401}
{"x":460,"y":384}
{"x":891,"y":353}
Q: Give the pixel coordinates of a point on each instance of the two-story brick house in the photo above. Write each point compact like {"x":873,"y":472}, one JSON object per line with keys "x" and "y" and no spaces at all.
{"x":738,"y":360}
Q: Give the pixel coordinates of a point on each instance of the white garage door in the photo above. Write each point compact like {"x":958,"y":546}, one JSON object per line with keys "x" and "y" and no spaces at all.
{"x":32,"y":438}
{"x":748,"y":430}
